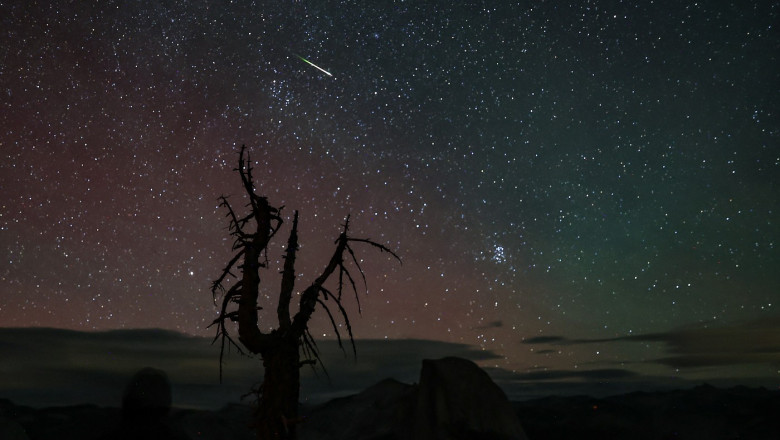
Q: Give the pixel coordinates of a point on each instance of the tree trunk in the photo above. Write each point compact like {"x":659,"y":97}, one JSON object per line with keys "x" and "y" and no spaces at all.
{"x":277,"y":415}
{"x":277,"y":412}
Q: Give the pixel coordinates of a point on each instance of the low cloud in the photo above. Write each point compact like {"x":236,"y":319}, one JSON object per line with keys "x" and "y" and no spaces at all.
{"x":489,"y":325}
{"x":601,"y":374}
{"x":547,"y":340}
{"x":47,"y":367}
{"x":751,"y":342}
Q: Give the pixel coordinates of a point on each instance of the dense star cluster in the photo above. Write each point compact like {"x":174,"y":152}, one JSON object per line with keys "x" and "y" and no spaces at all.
{"x":590,"y":170}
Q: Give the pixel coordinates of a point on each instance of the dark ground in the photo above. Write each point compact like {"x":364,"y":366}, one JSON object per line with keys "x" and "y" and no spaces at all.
{"x":703,"y":412}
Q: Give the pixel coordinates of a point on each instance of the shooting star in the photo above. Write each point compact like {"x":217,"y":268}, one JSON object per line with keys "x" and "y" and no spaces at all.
{"x":313,"y":65}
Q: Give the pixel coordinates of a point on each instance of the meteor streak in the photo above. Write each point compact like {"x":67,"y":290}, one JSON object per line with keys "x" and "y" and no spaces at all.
{"x":313,"y":65}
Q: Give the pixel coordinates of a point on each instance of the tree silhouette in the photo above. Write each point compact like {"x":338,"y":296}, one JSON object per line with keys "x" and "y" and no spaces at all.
{"x":280,"y":349}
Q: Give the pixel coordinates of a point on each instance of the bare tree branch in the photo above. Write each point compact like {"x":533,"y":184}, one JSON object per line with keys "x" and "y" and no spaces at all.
{"x":217,"y":284}
{"x":288,"y":277}
{"x":381,"y":247}
{"x":230,"y":296}
{"x":309,"y":297}
{"x":281,"y":348}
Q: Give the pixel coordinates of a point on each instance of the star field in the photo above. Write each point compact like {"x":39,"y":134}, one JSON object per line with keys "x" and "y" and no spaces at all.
{"x":597,"y":169}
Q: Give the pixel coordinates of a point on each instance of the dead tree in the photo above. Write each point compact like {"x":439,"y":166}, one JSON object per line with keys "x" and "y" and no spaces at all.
{"x":290,"y":345}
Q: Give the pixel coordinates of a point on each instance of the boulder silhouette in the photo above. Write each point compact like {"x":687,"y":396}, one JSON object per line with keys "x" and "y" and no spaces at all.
{"x":147,"y":395}
{"x":145,"y":405}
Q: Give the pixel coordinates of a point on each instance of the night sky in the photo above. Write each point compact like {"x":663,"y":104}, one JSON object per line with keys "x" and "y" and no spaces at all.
{"x":574,"y":187}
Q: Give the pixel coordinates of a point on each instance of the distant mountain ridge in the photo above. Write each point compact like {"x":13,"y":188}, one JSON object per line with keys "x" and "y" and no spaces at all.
{"x":454,"y":400}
